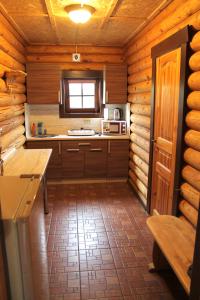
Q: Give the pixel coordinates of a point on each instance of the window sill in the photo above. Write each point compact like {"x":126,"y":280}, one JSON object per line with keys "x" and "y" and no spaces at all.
{"x":81,"y":115}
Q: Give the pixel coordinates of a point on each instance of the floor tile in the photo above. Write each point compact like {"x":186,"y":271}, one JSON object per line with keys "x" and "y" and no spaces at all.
{"x":129,"y":257}
{"x":100,"y":284}
{"x":98,"y":259}
{"x":96,"y":240}
{"x":64,"y":261}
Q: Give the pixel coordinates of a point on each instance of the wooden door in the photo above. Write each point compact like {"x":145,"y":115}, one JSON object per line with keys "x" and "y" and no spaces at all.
{"x":167,"y":91}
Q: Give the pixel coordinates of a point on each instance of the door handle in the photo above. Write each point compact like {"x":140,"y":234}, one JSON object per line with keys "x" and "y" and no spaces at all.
{"x":72,"y":150}
{"x":154,"y":140}
{"x":96,"y":150}
{"x":84,"y":144}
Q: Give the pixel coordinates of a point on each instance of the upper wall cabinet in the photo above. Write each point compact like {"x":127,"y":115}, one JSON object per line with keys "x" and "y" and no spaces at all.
{"x":43,"y":83}
{"x":116,"y":83}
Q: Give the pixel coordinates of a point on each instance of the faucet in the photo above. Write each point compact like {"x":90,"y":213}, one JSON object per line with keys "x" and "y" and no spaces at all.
{"x":1,"y":163}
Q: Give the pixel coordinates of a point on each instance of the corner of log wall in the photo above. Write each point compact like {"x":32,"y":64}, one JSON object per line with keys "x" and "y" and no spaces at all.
{"x":176,"y":16}
{"x":12,"y":89}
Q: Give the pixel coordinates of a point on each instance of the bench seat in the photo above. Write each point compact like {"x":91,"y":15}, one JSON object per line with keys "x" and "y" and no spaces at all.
{"x":176,"y":240}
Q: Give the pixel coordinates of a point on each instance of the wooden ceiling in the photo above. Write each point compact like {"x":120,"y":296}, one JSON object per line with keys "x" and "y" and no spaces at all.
{"x":46,"y":22}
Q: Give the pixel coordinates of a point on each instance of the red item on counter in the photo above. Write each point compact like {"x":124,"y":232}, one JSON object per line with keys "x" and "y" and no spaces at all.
{"x":33,"y":129}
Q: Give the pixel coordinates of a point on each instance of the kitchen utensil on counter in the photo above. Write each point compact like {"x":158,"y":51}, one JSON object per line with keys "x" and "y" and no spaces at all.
{"x":117,"y":114}
{"x":40,"y":128}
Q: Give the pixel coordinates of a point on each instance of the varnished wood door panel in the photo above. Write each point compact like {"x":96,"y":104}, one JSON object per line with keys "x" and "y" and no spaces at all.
{"x":167,"y":90}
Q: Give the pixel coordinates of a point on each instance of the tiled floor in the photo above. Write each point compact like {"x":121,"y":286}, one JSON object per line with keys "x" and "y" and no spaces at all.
{"x":99,"y":246}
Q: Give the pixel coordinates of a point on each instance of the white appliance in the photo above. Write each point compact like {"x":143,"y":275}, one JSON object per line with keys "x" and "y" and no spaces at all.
{"x":117,"y":114}
{"x":22,"y":214}
{"x":110,"y":127}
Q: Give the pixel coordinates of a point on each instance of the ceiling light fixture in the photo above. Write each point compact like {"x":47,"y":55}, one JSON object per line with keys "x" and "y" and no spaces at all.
{"x":79,"y":13}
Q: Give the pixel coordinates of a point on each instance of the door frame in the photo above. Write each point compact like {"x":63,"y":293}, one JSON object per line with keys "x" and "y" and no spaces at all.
{"x":177,"y":40}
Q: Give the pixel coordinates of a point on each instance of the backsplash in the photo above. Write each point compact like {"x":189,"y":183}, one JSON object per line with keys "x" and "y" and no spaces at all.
{"x":49,"y":115}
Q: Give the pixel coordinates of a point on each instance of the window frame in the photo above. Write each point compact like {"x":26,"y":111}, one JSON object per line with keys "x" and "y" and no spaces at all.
{"x":64,"y":108}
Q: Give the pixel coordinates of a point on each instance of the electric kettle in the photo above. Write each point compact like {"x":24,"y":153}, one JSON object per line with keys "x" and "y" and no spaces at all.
{"x":117,"y":114}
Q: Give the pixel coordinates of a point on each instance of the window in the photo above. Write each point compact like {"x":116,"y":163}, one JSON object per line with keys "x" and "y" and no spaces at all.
{"x":82,"y":94}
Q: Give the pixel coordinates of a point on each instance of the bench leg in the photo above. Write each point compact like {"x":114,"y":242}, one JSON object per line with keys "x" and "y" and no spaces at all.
{"x":159,"y":261}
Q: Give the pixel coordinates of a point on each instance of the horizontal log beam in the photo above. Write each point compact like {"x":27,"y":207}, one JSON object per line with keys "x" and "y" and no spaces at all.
{"x":189,"y":212}
{"x":139,"y":162}
{"x":139,"y":173}
{"x":142,"y":188}
{"x":140,"y":87}
{"x":141,"y":109}
{"x":193,"y":120}
{"x":10,"y":137}
{"x":195,"y":43}
{"x":11,"y":50}
{"x":140,"y":98}
{"x":141,"y":131}
{"x":11,"y":124}
{"x":141,"y":120}
{"x":62,"y":49}
{"x":190,"y":194}
{"x":142,"y":64}
{"x":192,"y":157}
{"x":67,"y":58}
{"x":11,"y":99}
{"x":144,"y":75}
{"x":192,"y":138}
{"x":140,"y":152}
{"x":16,"y":88}
{"x":143,"y":143}
{"x":9,"y":112}
{"x":193,"y":100}
{"x":192,"y":176}
{"x":194,"y":81}
{"x":194,"y":61}
{"x":10,"y":62}
{"x":3,"y":86}
{"x":141,"y":196}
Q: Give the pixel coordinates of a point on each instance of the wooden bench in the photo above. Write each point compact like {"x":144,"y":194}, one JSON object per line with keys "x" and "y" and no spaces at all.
{"x":174,"y":242}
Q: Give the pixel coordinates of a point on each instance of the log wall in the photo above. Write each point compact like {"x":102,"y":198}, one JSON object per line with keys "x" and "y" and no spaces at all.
{"x":12,"y":87}
{"x":138,"y":55}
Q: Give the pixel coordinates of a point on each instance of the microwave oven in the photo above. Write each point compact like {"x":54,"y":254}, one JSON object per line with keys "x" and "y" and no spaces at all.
{"x":113,"y":127}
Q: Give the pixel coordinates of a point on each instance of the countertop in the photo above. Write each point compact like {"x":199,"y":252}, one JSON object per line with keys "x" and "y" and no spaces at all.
{"x":27,"y":161}
{"x":72,"y":138}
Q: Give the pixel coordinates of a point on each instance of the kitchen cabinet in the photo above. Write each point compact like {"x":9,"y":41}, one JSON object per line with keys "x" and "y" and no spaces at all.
{"x":96,"y":160}
{"x":118,"y":157}
{"x":86,"y":158}
{"x":54,"y":168}
{"x":72,"y":160}
{"x":116,"y":83}
{"x":43,"y":83}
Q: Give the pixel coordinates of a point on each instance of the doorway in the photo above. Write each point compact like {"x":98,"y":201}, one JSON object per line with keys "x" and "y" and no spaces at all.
{"x":167,"y":119}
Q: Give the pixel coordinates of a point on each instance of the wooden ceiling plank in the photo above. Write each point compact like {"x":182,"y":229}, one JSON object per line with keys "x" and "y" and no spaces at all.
{"x":111,"y":10}
{"x":157,"y":11}
{"x":17,"y":30}
{"x":52,"y":19}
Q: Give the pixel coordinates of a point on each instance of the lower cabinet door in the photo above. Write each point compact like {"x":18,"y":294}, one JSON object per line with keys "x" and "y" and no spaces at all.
{"x":72,"y":160}
{"x":118,"y":156}
{"x":96,"y":160}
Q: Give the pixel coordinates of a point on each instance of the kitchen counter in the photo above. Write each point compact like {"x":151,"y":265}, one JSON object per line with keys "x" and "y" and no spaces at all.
{"x":72,"y":138}
{"x":27,"y":161}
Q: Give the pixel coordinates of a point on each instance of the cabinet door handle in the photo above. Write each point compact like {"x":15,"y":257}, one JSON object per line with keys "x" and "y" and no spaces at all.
{"x":84,"y":144}
{"x":108,"y":147}
{"x":59,"y":98}
{"x":72,"y":150}
{"x":96,"y":150}
{"x":59,"y":148}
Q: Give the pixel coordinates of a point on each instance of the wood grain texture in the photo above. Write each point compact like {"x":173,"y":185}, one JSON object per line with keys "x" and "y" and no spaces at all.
{"x":176,"y":240}
{"x":141,"y":131}
{"x":139,"y":162}
{"x":193,"y":120}
{"x":192,"y":138}
{"x":116,"y":83}
{"x":43,"y":83}
{"x":141,"y":109}
{"x":190,"y":213}
{"x":11,"y":99}
{"x":190,"y":194}
{"x":192,"y":176}
{"x":193,"y":100}
{"x":192,"y":157}
{"x":9,"y":138}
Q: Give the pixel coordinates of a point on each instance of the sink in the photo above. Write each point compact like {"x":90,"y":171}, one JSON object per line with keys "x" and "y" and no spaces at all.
{"x":45,"y":135}
{"x":81,"y":132}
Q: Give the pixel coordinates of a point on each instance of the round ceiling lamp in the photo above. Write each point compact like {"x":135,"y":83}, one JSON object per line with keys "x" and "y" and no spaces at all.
{"x":79,"y":13}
